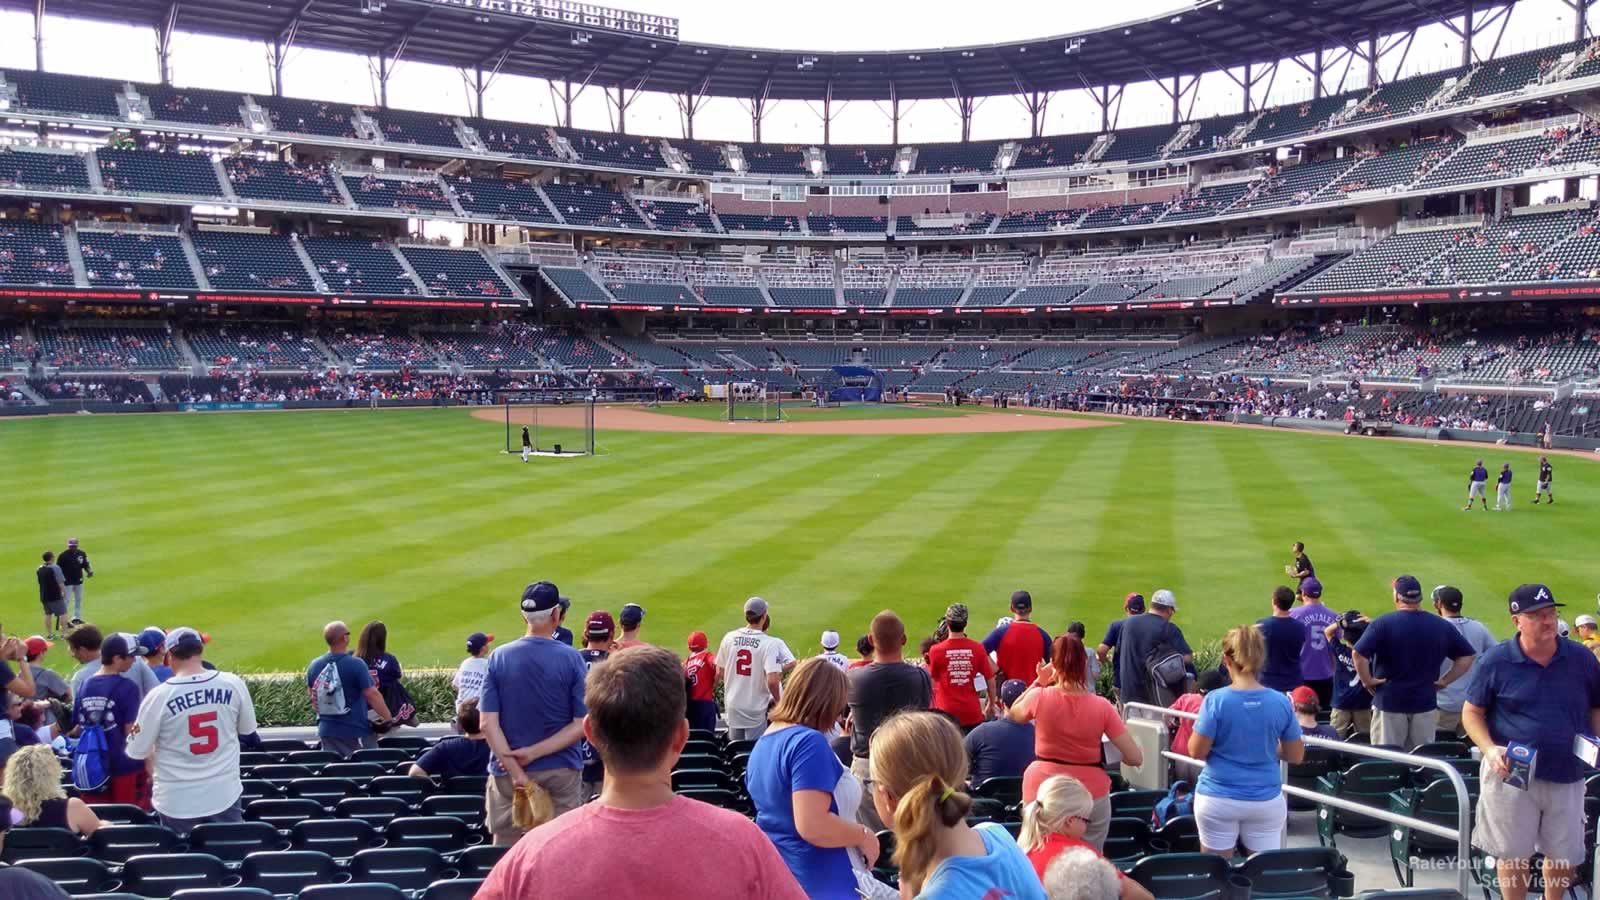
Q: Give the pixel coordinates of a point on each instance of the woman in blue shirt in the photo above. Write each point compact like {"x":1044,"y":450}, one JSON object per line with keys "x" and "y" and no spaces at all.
{"x":917,"y":765}
{"x":805,"y":799}
{"x":1243,"y":732}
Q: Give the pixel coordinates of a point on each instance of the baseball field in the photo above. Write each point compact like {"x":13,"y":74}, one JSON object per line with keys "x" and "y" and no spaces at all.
{"x":260,"y":527}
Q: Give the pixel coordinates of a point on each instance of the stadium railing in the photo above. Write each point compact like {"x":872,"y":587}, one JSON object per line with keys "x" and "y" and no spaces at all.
{"x":1461,"y":834}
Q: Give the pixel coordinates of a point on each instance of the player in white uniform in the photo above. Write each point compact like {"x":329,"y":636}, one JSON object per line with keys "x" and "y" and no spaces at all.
{"x":189,"y":726}
{"x":830,"y":650}
{"x":751,"y":672}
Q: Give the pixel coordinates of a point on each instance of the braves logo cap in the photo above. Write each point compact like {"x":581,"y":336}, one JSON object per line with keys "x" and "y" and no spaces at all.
{"x":1529,"y":597}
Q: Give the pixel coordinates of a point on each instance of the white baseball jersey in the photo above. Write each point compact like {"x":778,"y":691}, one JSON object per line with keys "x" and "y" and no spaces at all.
{"x":744,"y":659}
{"x":192,"y":724}
{"x":469,"y":679}
{"x":837,"y":658}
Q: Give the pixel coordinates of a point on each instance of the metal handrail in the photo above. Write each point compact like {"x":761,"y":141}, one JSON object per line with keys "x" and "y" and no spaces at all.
{"x":1462,"y":834}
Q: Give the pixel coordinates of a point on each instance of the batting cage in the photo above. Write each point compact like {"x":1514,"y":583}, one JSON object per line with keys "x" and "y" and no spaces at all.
{"x":754,"y":401}
{"x":549,"y":423}
{"x":856,"y":384}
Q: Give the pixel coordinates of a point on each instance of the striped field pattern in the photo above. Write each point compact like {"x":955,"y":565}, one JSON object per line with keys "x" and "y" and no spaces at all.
{"x":261,"y":527}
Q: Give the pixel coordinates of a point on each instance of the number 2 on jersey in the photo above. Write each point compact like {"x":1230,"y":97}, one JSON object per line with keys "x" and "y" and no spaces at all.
{"x":203,"y":727}
{"x":742,"y":662}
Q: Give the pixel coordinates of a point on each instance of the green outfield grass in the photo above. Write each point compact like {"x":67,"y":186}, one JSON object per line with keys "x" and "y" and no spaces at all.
{"x":259,"y":527}
{"x":717,"y":411}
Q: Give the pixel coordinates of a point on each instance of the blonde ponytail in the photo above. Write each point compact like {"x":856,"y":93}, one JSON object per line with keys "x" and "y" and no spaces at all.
{"x":918,"y":758}
{"x":1060,"y":798}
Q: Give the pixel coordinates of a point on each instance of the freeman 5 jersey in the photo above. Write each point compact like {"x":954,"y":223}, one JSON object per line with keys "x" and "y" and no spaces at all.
{"x":193,"y":723}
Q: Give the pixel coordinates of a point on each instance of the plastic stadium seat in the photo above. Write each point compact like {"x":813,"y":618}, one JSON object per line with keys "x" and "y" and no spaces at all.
{"x":1181,"y":834}
{"x":700,"y":734}
{"x":716,"y":797}
{"x":410,"y":744}
{"x":1136,"y":804}
{"x":1369,"y":783}
{"x":327,"y":791}
{"x":703,"y":778}
{"x":1005,"y":788}
{"x":1318,"y":762}
{"x":1413,"y":894}
{"x":360,"y":771}
{"x":702,"y":746}
{"x":363,"y":891}
{"x":163,"y":874}
{"x":466,"y":784}
{"x":257,"y":789}
{"x":385,"y":756}
{"x":445,"y":834}
{"x":222,"y":893}
{"x":40,"y":843}
{"x":249,"y":759}
{"x":700,"y":761}
{"x":281,"y":746}
{"x":118,"y":843}
{"x":469,"y":808}
{"x":1297,"y":872}
{"x":304,"y":757}
{"x":233,"y":841}
{"x":475,"y":862}
{"x":281,"y":773}
{"x":288,"y":871}
{"x":407,"y":868}
{"x":1184,"y":876}
{"x":453,"y":889}
{"x":283,"y":814}
{"x":1435,"y":803}
{"x":121,"y":814}
{"x":375,"y":811}
{"x":1127,"y":839}
{"x":339,"y":838}
{"x":75,"y":876}
{"x":409,"y":789}
{"x":735,"y":748}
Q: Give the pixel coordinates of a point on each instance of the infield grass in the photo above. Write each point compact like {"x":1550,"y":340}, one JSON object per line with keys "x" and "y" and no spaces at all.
{"x":260,"y":527}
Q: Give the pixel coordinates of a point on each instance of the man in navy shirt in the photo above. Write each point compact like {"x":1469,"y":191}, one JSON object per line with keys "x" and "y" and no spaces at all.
{"x":1133,"y":605}
{"x":464,"y":755}
{"x":1475,"y":487}
{"x":1143,"y":634}
{"x":342,"y":696}
{"x":1540,"y":690}
{"x":1001,"y":747}
{"x":1352,"y":705}
{"x":1398,"y":660}
{"x":111,"y":702}
{"x":1285,"y":637}
{"x":1502,"y":490}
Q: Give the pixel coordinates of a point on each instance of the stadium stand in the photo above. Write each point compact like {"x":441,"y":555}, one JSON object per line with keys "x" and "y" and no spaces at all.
{"x":136,"y":259}
{"x":448,"y":272}
{"x":251,"y":262}
{"x":207,"y":107}
{"x":153,"y":172}
{"x":611,"y":149}
{"x":407,"y":127}
{"x":775,"y":159}
{"x":823,"y":225}
{"x":270,"y":179}
{"x":516,"y":139}
{"x":575,"y":284}
{"x":974,"y":156}
{"x":52,"y":92}
{"x":496,"y":198}
{"x":33,"y":254}
{"x":312,"y":117}
{"x":253,"y":345}
{"x":355,"y":266}
{"x":91,"y":347}
{"x":738,"y":222}
{"x":26,"y":167}
{"x":411,"y":195}
{"x":588,"y":204}
{"x":676,"y":215}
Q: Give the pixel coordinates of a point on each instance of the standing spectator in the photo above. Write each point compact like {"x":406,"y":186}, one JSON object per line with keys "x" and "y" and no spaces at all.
{"x":1536,"y":689}
{"x":75,"y":568}
{"x":52,"y":594}
{"x":1305,"y":712}
{"x":878,"y":691}
{"x":956,"y":666}
{"x":1081,"y":632}
{"x":1398,"y":661}
{"x":189,"y":730}
{"x":373,"y":649}
{"x":806,"y":801}
{"x":1300,"y":568}
{"x":1352,"y":703}
{"x":1018,"y":645}
{"x":864,"y":650}
{"x":1285,"y":637}
{"x":918,"y":768}
{"x":598,"y":631}
{"x":465,"y":754}
{"x":700,"y":675}
{"x":1132,"y":605}
{"x":563,"y":633}
{"x":33,"y":785}
{"x":153,"y":640}
{"x":468,"y":680}
{"x":84,"y":644}
{"x":1070,"y":720}
{"x":1054,"y":824}
{"x":1001,"y":747}
{"x":830,"y":650}
{"x":111,"y":702}
{"x":1183,"y":727}
{"x":342,"y":691}
{"x":532,"y":714}
{"x":631,"y":618}
{"x":47,"y":685}
{"x":1316,"y":657}
{"x":1243,"y":732}
{"x":635,"y":718}
{"x":751,"y":673}
{"x":18,"y":883}
{"x":1447,"y":601}
{"x":1141,"y":637}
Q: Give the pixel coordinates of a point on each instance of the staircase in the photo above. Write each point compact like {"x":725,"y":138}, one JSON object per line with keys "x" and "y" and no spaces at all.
{"x":469,"y":138}
{"x":91,"y":165}
{"x":554,"y":210}
{"x":1344,"y":115}
{"x":365,"y":126}
{"x":562,"y":146}
{"x":21,"y":387}
{"x":891,"y":288}
{"x":80,"y":275}
{"x":191,"y":358}
{"x":512,"y":282}
{"x":966,"y":289}
{"x":1102,"y":143}
{"x":634,"y":205}
{"x":194,"y":262}
{"x":1449,"y":90}
{"x":311,"y":267}
{"x":1533,"y":262}
{"x":838,"y":285}
{"x":455,"y":202}
{"x":1242,"y":130}
{"x":766,"y":295}
{"x":1179,"y":139}
{"x":712,"y":213}
{"x":405,"y":264}
{"x":222,"y":179}
{"x":337,"y":177}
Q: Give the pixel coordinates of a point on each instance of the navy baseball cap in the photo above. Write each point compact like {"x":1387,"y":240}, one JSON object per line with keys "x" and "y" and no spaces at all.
{"x":478,"y":640}
{"x":540,"y":596}
{"x":1021,"y":600}
{"x":1448,"y":596}
{"x":116,"y":645}
{"x":1408,"y":589}
{"x":1529,"y":597}
{"x":1311,"y":587}
{"x":1011,"y":690}
{"x":1133,"y":603}
{"x":632,"y":614}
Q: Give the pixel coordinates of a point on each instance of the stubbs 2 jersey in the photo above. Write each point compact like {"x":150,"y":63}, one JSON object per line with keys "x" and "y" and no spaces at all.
{"x":745,"y":658}
{"x":194,"y":722}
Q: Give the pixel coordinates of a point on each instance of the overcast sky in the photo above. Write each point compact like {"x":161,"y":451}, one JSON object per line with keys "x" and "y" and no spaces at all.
{"x":123,"y":52}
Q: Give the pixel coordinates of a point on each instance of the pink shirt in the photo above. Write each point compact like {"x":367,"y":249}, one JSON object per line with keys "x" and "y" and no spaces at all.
{"x":688,"y":849}
{"x":1185,"y":703}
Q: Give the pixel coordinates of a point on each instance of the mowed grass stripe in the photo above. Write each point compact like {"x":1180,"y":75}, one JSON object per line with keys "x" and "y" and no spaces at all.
{"x":1117,"y":508}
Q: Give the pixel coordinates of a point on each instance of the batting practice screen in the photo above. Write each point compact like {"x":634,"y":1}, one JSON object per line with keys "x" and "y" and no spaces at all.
{"x":553,"y":428}
{"x":754,"y":402}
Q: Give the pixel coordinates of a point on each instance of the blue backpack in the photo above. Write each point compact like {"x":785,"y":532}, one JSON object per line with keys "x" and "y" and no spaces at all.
{"x":1179,"y":801}
{"x":91,"y":760}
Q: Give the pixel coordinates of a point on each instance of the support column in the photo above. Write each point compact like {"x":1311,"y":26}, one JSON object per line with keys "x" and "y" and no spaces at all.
{"x":164,"y":42}
{"x":567,"y":105}
{"x":965,"y":106}
{"x":38,"y":35}
{"x":758,"y":111}
{"x":1316,"y":75}
{"x":1177,"y":84}
{"x":894,"y":116}
{"x":383,"y":81}
{"x":1466,"y":34}
{"x":1247,"y":84}
{"x":1037,"y":103}
{"x":1372,"y":61}
{"x":1580,"y":23}
{"x":827,"y":118}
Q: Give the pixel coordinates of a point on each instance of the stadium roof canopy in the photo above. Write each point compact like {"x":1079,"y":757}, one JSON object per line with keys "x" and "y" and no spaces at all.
{"x":557,"y":40}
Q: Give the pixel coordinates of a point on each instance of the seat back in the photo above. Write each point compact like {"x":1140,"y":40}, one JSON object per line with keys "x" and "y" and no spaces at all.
{"x":1183,"y":876}
{"x":407,"y":868}
{"x":702,"y":778}
{"x":40,"y":843}
{"x":1136,"y":804}
{"x":1181,"y":834}
{"x":1293,"y":872}
{"x":313,"y":758}
{"x":376,"y":811}
{"x":476,"y":862}
{"x":1005,"y":788}
{"x":466,"y":807}
{"x":75,"y":876}
{"x":223,"y":893}
{"x":466,"y":784}
{"x":409,"y":789}
{"x":356,"y":771}
{"x":1127,"y":838}
{"x":288,"y":871}
{"x":454,"y":889}
{"x":121,"y":814}
{"x":326,"y":791}
{"x":163,"y":874}
{"x":383,"y":756}
{"x":281,"y":773}
{"x":283,"y":814}
{"x":445,"y":834}
{"x":119,"y":843}
{"x":353,"y":891}
{"x":339,"y":838}
{"x":233,"y":841}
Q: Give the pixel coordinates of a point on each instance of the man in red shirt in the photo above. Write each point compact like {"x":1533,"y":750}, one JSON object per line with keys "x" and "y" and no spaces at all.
{"x":1018,"y":645}
{"x":955,"y":664}
{"x":863,"y":647}
{"x":700,"y":675}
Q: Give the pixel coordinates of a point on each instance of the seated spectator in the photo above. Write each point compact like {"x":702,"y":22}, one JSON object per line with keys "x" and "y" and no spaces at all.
{"x":464,"y":755}
{"x":1054,"y":824}
{"x":1001,"y":748}
{"x":18,"y":883}
{"x":917,"y":767}
{"x":1079,"y":874}
{"x":33,"y":785}
{"x":635,"y":720}
{"x":805,"y":799}
{"x":1306,"y":708}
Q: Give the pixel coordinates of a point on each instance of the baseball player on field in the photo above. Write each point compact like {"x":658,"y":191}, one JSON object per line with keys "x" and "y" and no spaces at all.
{"x":1476,"y":488}
{"x":527,"y":444}
{"x":1502,"y":490}
{"x":189,"y":726}
{"x":1545,"y":474}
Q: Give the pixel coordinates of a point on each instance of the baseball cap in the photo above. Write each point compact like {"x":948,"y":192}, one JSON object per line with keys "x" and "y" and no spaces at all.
{"x":1011,"y":690}
{"x":1164,"y":598}
{"x":697,"y":641}
{"x":755,"y":606}
{"x":1579,"y":622}
{"x":956,"y":612}
{"x":565,"y":603}
{"x":1448,"y":597}
{"x":1021,"y":600}
{"x":1133,"y":602}
{"x":1303,"y":696}
{"x":540,"y":596}
{"x":830,"y":640}
{"x":116,"y":645}
{"x":1311,"y":587}
{"x":1529,"y":597}
{"x":477,"y":640}
{"x":632,"y":614}
{"x":184,"y":640}
{"x":1408,"y":589}
{"x":151,"y":639}
{"x":599,"y":625}
{"x":37,"y":645}
{"x":72,"y":542}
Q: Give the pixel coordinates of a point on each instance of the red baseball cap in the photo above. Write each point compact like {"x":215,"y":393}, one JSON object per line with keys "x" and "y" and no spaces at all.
{"x":37,"y":645}
{"x":697,"y":641}
{"x":1303,"y":695}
